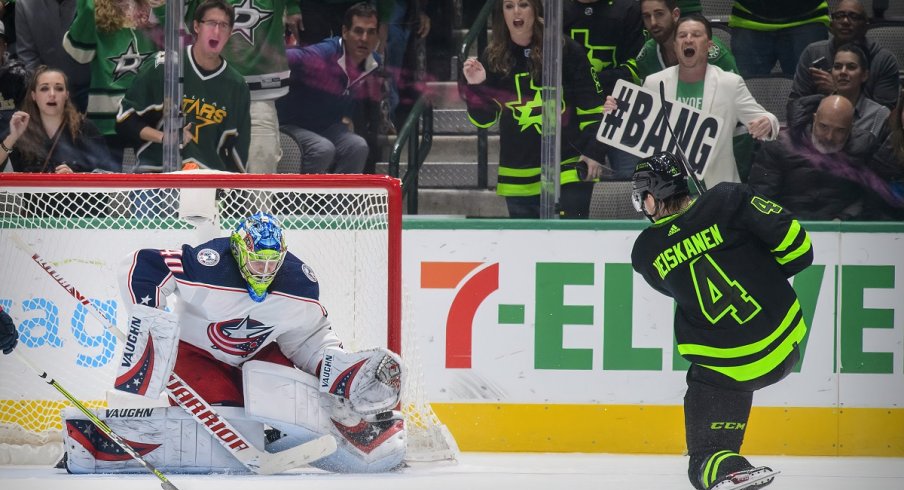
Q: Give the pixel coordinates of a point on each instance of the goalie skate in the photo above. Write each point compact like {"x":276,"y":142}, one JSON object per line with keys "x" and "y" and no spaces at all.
{"x":750,"y":479}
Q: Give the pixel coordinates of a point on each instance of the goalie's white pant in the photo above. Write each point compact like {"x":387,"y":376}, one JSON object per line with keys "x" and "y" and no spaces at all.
{"x":167,"y":437}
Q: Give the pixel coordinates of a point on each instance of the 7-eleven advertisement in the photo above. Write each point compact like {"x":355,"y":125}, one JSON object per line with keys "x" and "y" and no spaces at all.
{"x":546,"y":339}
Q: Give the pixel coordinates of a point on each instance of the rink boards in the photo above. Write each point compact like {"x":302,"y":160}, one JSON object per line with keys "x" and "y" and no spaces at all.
{"x":540,"y":337}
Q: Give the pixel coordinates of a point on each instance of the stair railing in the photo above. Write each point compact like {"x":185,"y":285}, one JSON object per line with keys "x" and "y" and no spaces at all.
{"x":417,"y":132}
{"x":478,"y":32}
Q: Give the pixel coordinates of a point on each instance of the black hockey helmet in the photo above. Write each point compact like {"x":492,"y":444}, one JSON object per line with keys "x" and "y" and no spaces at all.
{"x":662,"y":175}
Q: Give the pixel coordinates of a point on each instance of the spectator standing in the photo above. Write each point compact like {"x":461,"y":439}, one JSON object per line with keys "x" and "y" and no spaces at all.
{"x":708,"y":88}
{"x":820,"y":172}
{"x":49,"y":135}
{"x":763,"y":31}
{"x":611,"y":33}
{"x":40,"y":27}
{"x":256,"y":49}
{"x":215,"y":101}
{"x":115,"y":38}
{"x":849,"y":74}
{"x":849,"y":23}
{"x":504,"y":86}
{"x":323,"y":83}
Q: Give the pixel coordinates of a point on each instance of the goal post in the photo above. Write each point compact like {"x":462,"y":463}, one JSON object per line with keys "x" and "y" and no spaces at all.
{"x":346,"y":227}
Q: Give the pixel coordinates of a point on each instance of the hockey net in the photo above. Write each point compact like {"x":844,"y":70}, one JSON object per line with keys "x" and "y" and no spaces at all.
{"x":348,"y":228}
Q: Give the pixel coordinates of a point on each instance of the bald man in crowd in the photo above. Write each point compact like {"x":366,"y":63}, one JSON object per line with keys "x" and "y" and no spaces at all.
{"x":818,"y":172}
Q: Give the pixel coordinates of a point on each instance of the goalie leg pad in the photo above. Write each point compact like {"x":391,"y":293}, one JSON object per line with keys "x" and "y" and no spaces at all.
{"x":371,"y":380}
{"x":289,"y":400}
{"x":149,"y":353}
{"x":168,"y":438}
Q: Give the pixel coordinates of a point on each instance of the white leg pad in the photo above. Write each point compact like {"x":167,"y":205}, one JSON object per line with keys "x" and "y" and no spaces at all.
{"x":168,"y":438}
{"x":290,"y":400}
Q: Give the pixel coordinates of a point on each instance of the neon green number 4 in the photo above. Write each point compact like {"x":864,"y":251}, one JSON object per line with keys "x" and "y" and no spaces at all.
{"x":718,"y":294}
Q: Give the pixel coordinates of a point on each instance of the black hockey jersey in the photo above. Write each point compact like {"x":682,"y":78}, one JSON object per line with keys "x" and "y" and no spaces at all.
{"x":726,"y":261}
{"x":514,"y":100}
{"x":611,"y":31}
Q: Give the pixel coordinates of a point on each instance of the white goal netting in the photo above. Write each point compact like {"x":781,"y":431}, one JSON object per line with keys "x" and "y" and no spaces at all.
{"x":348,"y":228}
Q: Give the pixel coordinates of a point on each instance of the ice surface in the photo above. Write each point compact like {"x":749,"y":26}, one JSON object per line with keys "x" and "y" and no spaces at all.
{"x":499,"y":471}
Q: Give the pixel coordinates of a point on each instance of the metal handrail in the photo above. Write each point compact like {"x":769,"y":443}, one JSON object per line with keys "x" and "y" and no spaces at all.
{"x":478,"y":32}
{"x":418,"y":133}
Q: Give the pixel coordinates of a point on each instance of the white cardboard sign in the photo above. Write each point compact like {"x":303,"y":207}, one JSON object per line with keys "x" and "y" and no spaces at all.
{"x":638,"y":126}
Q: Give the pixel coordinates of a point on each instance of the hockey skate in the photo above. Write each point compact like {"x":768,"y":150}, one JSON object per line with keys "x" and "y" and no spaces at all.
{"x":746,"y":479}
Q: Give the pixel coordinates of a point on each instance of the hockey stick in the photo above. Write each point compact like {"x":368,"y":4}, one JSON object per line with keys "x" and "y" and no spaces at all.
{"x":166,"y":484}
{"x":223,"y":432}
{"x":681,"y":156}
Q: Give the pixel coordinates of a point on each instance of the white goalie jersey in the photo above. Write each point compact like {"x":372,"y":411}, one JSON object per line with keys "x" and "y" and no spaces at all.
{"x":217,"y":315}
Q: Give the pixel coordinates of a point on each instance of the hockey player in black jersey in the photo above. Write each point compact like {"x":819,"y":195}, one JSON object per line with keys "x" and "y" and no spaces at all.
{"x":725,"y":257}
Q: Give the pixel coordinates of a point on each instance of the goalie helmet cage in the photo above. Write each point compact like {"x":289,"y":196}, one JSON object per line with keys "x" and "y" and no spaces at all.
{"x":347,"y":228}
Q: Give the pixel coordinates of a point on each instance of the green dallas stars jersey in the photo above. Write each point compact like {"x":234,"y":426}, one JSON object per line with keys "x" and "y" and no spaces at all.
{"x":726,"y":261}
{"x":257,"y":47}
{"x":216,"y":104}
{"x":115,"y":59}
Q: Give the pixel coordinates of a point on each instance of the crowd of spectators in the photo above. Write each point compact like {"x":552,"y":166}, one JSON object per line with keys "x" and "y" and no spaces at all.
{"x":332,"y":73}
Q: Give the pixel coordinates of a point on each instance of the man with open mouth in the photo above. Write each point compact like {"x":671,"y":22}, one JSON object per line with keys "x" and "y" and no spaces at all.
{"x":695,"y":82}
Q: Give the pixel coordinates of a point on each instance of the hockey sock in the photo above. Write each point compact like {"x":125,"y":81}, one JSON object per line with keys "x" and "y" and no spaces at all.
{"x":715,"y":421}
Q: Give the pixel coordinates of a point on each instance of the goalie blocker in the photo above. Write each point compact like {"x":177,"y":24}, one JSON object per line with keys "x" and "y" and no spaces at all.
{"x":285,"y":398}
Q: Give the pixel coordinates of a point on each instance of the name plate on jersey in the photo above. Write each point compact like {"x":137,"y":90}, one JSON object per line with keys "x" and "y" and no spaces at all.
{"x":638,"y":126}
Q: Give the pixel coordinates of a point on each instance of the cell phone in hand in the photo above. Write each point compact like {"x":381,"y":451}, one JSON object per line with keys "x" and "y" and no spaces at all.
{"x":822,"y":63}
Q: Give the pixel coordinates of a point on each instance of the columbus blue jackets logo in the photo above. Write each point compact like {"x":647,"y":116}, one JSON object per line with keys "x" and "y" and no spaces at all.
{"x":238,"y":337}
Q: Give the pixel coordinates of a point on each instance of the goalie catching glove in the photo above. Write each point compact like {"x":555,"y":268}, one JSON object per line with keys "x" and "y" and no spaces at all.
{"x":369,"y":380}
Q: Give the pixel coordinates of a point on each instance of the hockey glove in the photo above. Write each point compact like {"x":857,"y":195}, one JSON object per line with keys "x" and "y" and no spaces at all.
{"x":370,"y":380}
{"x":8,"y":334}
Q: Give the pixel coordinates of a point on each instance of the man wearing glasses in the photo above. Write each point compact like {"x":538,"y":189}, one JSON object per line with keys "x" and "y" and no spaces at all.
{"x":215,"y":102}
{"x":849,"y":23}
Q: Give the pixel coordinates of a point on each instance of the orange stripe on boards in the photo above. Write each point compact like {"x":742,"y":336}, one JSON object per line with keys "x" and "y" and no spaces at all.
{"x":445,"y":275}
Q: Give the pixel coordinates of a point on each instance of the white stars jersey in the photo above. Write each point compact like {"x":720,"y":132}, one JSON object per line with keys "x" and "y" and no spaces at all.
{"x":217,"y":314}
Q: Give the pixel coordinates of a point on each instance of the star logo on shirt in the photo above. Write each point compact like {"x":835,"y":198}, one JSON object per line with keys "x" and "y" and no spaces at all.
{"x":127,"y":62}
{"x":146,"y":300}
{"x":248,"y":18}
{"x":524,"y":112}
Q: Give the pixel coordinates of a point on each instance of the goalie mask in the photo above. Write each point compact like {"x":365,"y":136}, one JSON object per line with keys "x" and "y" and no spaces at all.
{"x":259,"y":248}
{"x":662,"y":176}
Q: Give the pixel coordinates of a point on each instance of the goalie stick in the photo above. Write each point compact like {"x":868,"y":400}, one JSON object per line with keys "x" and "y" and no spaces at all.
{"x":100,"y":424}
{"x":681,"y":156}
{"x":223,"y":432}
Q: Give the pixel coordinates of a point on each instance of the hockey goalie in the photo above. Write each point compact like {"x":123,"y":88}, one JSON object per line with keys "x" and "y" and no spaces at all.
{"x":248,"y":337}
